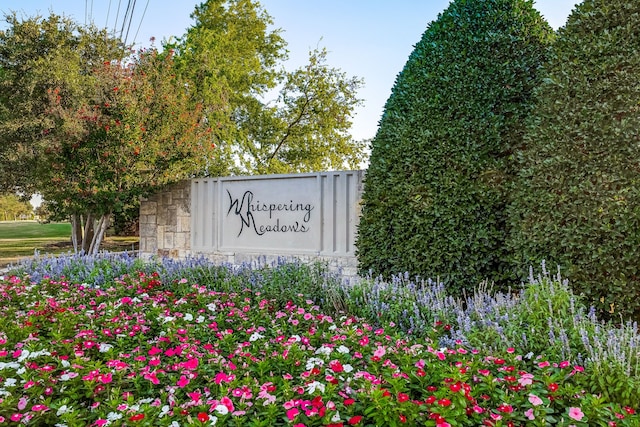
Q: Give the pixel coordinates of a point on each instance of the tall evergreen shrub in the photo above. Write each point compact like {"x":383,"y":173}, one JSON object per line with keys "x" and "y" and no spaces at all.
{"x":578,"y":203}
{"x":434,"y":192}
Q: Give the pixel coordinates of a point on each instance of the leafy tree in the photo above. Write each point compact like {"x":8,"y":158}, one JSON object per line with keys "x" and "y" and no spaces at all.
{"x":441,"y":162}
{"x":133,"y":131}
{"x":37,"y":54}
{"x":307,"y":128}
{"x":578,"y":198}
{"x":233,"y":63}
{"x":12,"y":207}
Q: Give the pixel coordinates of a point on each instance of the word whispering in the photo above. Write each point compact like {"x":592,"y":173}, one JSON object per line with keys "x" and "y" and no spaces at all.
{"x":245,"y":207}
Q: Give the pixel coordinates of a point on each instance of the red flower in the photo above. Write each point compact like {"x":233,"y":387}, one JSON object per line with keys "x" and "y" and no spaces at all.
{"x":553,"y":387}
{"x":355,"y":420}
{"x":203,"y":417}
{"x":507,"y":409}
{"x":444,"y":402}
{"x":136,"y":417}
{"x":403,"y":397}
{"x":348,"y":402}
{"x":455,"y":387}
{"x":403,"y":419}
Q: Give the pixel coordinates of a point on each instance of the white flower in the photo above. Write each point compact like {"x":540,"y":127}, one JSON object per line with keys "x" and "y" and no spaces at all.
{"x":342,"y":349}
{"x":255,"y":336}
{"x":10,"y":382}
{"x":213,"y":419}
{"x":347,"y":368}
{"x":63,"y":410}
{"x":313,"y":362}
{"x":10,"y":365}
{"x":296,"y":338}
{"x":65,"y":364}
{"x":311,"y":388}
{"x":21,"y":371}
{"x":24,"y":355}
{"x":324,"y":350}
{"x":112,"y":416}
{"x":200,"y":319}
{"x":211,"y":306}
{"x":333,"y":327}
{"x":167,"y":319}
{"x":104,"y":347}
{"x":336,"y":417}
{"x":164,"y":411}
{"x":188,"y":317}
{"x":174,"y":424}
{"x":222,"y":410}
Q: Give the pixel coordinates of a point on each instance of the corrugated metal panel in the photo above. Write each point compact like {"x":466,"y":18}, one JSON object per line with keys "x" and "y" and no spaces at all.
{"x":302,"y":213}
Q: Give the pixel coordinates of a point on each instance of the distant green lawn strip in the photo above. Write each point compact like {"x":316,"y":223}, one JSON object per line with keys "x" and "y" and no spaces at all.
{"x":33,"y":230}
{"x":19,"y":240}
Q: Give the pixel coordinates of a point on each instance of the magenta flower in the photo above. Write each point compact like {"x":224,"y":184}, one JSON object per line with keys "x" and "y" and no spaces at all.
{"x":291,"y":413}
{"x":183,"y":381}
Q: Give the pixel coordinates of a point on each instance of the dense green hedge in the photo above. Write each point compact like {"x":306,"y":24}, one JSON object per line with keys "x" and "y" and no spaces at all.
{"x":578,"y":203}
{"x":435,"y":191}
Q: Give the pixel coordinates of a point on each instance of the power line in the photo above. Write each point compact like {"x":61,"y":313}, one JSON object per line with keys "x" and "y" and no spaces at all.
{"x":130,"y":15}
{"x":115,"y":24}
{"x":140,"y":25}
{"x":106,"y":24}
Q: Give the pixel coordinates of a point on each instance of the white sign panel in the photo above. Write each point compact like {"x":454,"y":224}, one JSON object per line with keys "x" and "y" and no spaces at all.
{"x":270,"y":214}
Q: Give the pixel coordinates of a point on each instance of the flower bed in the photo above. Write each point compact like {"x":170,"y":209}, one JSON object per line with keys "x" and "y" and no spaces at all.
{"x":136,"y":351}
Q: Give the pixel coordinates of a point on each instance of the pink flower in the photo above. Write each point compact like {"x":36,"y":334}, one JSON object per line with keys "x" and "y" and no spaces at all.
{"x":535,"y":400}
{"x":529,"y":414}
{"x":190,"y":364}
{"x":38,"y":408}
{"x":183,"y":381}
{"x":291,"y":413}
{"x":22,"y":403}
{"x":380,"y":351}
{"x":576,"y":413}
{"x":152,"y":376}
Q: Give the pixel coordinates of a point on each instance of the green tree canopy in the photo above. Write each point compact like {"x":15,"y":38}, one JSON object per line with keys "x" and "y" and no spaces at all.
{"x":578,"y":204}
{"x":12,"y":207}
{"x":133,"y":131}
{"x":435,"y":192}
{"x":265,"y":119}
{"x":37,"y":54}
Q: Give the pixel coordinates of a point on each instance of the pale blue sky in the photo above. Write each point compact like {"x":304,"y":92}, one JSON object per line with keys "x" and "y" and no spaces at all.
{"x":371,"y":39}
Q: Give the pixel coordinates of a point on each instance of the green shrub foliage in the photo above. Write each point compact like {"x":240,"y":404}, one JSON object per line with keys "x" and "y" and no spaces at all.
{"x":434,"y":194}
{"x":578,"y":203}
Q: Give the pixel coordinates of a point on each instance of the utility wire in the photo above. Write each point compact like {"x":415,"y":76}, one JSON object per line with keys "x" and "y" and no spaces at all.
{"x":106,"y":24}
{"x":140,"y":25}
{"x":117,"y":14}
{"x":133,"y":6}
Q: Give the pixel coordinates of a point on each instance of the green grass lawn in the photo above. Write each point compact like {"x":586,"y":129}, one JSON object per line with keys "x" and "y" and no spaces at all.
{"x":34,"y":230}
{"x":20,"y":239}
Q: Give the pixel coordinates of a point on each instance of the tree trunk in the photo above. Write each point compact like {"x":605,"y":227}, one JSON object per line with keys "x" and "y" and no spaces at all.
{"x":98,"y":235}
{"x":76,"y":231}
{"x":89,"y":232}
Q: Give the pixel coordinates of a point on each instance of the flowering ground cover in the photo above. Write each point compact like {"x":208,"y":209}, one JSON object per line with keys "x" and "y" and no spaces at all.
{"x":139,"y":350}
